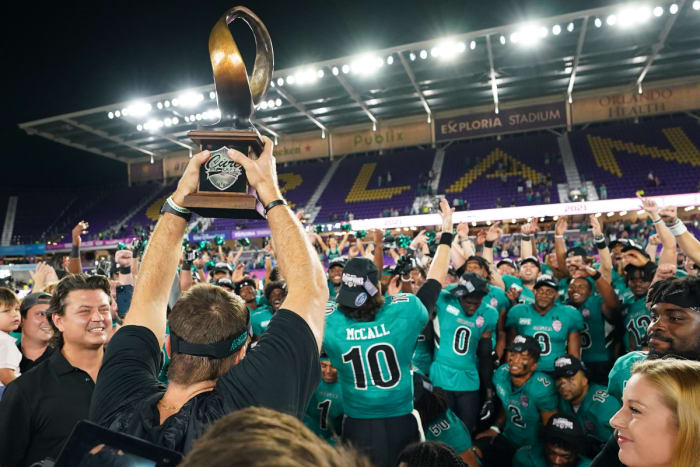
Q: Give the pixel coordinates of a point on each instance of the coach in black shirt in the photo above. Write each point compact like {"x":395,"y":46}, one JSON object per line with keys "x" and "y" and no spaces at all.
{"x":210,"y":374}
{"x":40,"y":408}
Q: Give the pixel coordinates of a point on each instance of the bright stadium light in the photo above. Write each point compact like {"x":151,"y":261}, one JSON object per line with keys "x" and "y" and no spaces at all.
{"x":189,"y":99}
{"x":542,"y":32}
{"x":212,"y":95}
{"x":167,"y":121}
{"x":598,"y":23}
{"x":290,"y":79}
{"x":556,"y":29}
{"x":366,"y":64}
{"x":176,"y":120}
{"x":271,"y":103}
{"x":390,"y":60}
{"x":502,"y":39}
{"x":643,"y":14}
{"x":696,"y":5}
{"x":623,"y":213}
{"x":110,"y":115}
{"x":263,"y":105}
{"x":412,"y":56}
{"x":159,"y":105}
{"x":280,"y":81}
{"x":125,"y":111}
{"x":192,"y":117}
{"x":320,"y":74}
{"x":673,"y":9}
{"x":187,"y":119}
{"x":570,"y":27}
{"x":138,"y":108}
{"x":139,"y":127}
{"x":658,"y":11}
{"x":598,"y":214}
{"x":117,"y":114}
{"x":278,"y":102}
{"x":198,"y":117}
{"x":567,"y":70}
{"x":423,"y":54}
{"x":335,"y":71}
{"x":515,"y":37}
{"x":611,"y":20}
{"x":472,"y":45}
{"x":610,"y":214}
{"x":346,"y":69}
{"x":166,"y":104}
{"x":447,"y":49}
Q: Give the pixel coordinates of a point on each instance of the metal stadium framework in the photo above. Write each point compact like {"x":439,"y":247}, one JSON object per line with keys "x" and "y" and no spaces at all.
{"x":563,"y":58}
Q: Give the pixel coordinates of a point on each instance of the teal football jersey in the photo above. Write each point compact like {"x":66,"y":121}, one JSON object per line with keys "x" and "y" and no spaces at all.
{"x":422,"y":356}
{"x":523,"y":405}
{"x":449,"y":429}
{"x":457,"y":338}
{"x":332,"y":291}
{"x":636,"y":319}
{"x":497,"y":298}
{"x":594,"y":413}
{"x":597,"y":334}
{"x":260,"y":319}
{"x":533,"y":456}
{"x":526,"y":295}
{"x":617,"y":282}
{"x":621,"y":373}
{"x":325,"y":413}
{"x":373,"y":358}
{"x":551,"y":330}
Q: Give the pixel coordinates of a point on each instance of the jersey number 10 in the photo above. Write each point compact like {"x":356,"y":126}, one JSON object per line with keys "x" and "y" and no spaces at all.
{"x":372,"y":356}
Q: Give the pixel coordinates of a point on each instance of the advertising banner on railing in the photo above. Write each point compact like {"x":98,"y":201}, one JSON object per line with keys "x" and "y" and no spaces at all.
{"x":390,"y":136}
{"x":525,"y":118}
{"x":299,"y":148}
{"x":652,"y":101}
{"x":91,"y":244}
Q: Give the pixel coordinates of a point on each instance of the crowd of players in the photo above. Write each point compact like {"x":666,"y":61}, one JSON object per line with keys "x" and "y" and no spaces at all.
{"x":456,"y":354}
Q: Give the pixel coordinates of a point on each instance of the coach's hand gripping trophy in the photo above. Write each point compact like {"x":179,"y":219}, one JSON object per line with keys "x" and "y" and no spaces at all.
{"x":223,"y":189}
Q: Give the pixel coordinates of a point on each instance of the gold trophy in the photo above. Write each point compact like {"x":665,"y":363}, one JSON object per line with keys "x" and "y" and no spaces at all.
{"x":223,"y":188}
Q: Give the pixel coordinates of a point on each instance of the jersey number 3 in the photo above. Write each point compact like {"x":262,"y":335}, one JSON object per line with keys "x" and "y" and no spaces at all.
{"x":372,"y":356}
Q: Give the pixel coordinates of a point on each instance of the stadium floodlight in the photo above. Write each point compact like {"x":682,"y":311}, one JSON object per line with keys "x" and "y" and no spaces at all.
{"x":610,"y":214}
{"x":447,"y":49}
{"x":366,"y":64}
{"x":658,"y":11}
{"x":623,"y":213}
{"x":598,"y":214}
{"x":323,"y":133}
{"x":346,"y":68}
{"x":412,"y":56}
{"x":515,"y":37}
{"x":528,"y":35}
{"x":335,"y":71}
{"x":212,"y":95}
{"x":159,"y":105}
{"x":271,"y":103}
{"x":374,"y":126}
{"x":290,"y":79}
{"x":556,"y":29}
{"x":152,"y":161}
{"x":138,"y":108}
{"x":689,"y":208}
{"x":125,"y":111}
{"x":263,"y":105}
{"x":320,"y":73}
{"x":139,"y":127}
{"x":167,"y":121}
{"x":176,"y":102}
{"x":166,"y":104}
{"x":110,"y":115}
{"x":570,"y":27}
{"x":152,"y":125}
{"x":278,"y":102}
{"x":198,"y":117}
{"x":187,"y":119}
{"x":472,"y":45}
{"x":189,"y":99}
{"x":598,"y":23}
{"x":503,"y":39}
{"x":555,"y":218}
{"x":640,"y":212}
{"x":390,"y":60}
{"x":642,"y":14}
{"x":192,"y":117}
{"x":567,"y":70}
{"x":423,"y":54}
{"x":541,"y":219}
{"x":280,"y":81}
{"x":611,"y":20}
{"x":696,"y":5}
{"x":542,"y":32}
{"x":176,"y":120}
{"x":117,"y":113}
{"x":673,"y":9}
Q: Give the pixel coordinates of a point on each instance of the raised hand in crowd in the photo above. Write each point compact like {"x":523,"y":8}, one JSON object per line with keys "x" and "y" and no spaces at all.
{"x":43,"y":275}
{"x":124,"y":260}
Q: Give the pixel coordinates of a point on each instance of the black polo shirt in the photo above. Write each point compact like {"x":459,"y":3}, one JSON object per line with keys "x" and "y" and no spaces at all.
{"x":26,"y":364}
{"x":281,"y":373}
{"x":39,"y":409}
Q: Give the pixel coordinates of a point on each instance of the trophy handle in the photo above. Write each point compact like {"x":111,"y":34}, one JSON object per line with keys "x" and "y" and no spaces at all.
{"x":236,"y":95}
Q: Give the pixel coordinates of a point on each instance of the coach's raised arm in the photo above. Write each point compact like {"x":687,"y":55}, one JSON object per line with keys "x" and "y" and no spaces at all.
{"x":210,"y":374}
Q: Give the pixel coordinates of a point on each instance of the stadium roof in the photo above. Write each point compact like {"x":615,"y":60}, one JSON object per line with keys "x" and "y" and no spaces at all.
{"x":620,"y":45}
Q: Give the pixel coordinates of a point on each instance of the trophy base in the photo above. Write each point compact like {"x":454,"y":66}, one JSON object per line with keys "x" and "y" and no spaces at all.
{"x":223,"y":189}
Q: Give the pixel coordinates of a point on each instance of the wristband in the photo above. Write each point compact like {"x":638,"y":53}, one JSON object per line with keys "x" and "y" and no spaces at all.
{"x":496,"y":429}
{"x":526,"y":238}
{"x":75,"y":251}
{"x":187,"y":265}
{"x":600,"y":243}
{"x":125,"y":270}
{"x":677,"y":228}
{"x":596,"y":276}
{"x":446,"y":239}
{"x":172,"y":207}
{"x":488,"y":244}
{"x":558,"y":236}
{"x":657,"y":221}
{"x":272,"y":204}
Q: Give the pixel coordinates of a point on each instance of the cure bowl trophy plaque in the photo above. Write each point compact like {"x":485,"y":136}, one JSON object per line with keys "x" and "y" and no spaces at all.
{"x":223,"y":188}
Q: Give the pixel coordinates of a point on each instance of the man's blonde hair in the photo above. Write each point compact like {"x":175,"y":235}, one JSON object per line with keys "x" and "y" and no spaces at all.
{"x":678,"y":381}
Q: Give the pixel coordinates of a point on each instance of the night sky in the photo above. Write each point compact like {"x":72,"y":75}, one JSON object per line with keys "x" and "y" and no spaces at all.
{"x":61,"y":57}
